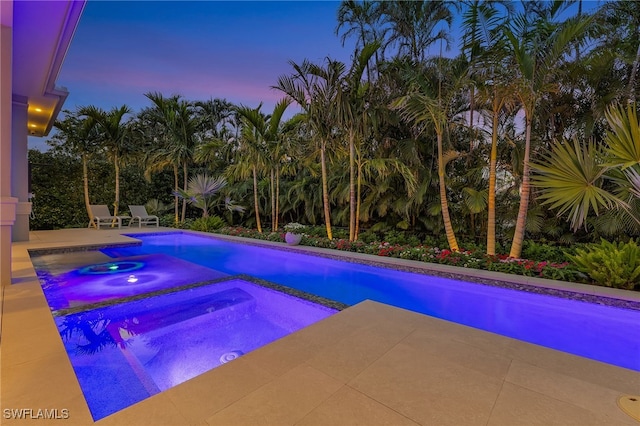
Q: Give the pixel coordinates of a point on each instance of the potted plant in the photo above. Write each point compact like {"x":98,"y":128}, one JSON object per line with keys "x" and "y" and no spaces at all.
{"x":294,"y":233}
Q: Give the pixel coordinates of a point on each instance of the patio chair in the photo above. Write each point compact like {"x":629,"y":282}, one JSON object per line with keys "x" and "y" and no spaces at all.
{"x":102,"y":216}
{"x":139,"y":214}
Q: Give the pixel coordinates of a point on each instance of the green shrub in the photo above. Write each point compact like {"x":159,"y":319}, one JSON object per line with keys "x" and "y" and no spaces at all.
{"x":610,"y":264}
{"x":400,"y":237}
{"x":368,"y":237}
{"x":167,"y":220}
{"x":207,"y":224}
{"x":316,"y":231}
{"x":543,"y":252}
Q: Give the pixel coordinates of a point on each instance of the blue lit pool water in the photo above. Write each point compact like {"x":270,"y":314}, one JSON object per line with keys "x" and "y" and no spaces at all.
{"x":126,"y":352}
{"x":602,"y":333}
{"x":120,"y":278}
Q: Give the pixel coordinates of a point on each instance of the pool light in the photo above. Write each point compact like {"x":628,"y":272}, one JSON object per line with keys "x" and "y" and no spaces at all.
{"x":111,"y":268}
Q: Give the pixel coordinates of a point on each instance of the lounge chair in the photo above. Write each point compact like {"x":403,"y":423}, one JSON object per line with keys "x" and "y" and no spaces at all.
{"x":102,"y":216}
{"x":139,"y":214}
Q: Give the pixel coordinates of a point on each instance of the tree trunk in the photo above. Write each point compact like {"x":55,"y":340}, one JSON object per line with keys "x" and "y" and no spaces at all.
{"x":358,"y":201}
{"x":176,"y":203}
{"x":185,"y":176}
{"x":632,"y":78}
{"x":491,"y":204}
{"x":518,"y":236}
{"x":85,"y":183}
{"x":277,"y":197}
{"x":325,"y":192}
{"x":451,"y":237}
{"x":116,"y":204}
{"x":272,"y":189}
{"x":472,"y":106}
{"x":255,"y":200}
{"x":352,"y":186}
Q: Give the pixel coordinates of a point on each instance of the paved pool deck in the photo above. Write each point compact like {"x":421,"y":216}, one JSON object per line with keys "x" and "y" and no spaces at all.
{"x":371,"y":364}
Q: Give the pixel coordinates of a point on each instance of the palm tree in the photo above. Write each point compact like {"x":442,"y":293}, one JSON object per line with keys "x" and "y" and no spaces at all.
{"x":570,"y":178}
{"x":413,"y":25}
{"x":249,"y":158}
{"x":315,"y":88}
{"x":484,"y":41}
{"x":200,"y":190}
{"x":215,"y":114}
{"x":432,"y":100}
{"x":359,"y":19}
{"x":269,"y":131}
{"x":113,"y":133}
{"x":623,"y":141}
{"x":577,"y":178}
{"x":77,"y":136}
{"x":618,"y":34}
{"x":351,"y":105}
{"x":180,"y":122}
{"x":159,"y":156}
{"x":537,"y":47}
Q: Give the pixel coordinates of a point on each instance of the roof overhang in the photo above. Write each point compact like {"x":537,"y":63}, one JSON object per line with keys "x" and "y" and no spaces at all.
{"x":42,"y":34}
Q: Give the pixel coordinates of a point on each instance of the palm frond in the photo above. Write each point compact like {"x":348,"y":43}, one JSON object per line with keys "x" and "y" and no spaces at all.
{"x":570,"y":179}
{"x":623,"y":141}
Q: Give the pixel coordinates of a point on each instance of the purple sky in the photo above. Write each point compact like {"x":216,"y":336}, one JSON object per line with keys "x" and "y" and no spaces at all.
{"x":199,"y":49}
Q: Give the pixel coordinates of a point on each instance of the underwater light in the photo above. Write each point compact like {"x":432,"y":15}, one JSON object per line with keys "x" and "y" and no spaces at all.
{"x":132,"y":279}
{"x":111,"y":268}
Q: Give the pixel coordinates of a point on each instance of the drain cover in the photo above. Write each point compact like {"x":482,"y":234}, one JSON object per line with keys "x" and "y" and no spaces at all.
{"x":230,"y":356}
{"x":630,"y":404}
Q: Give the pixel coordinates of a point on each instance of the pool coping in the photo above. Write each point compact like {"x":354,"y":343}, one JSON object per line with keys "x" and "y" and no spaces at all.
{"x":304,"y":296}
{"x":586,"y":293}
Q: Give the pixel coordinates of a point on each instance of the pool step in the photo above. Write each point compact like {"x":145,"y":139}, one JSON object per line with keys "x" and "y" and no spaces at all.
{"x":227,"y":305}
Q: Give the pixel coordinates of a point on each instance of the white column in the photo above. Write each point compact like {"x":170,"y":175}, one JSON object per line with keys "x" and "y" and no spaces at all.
{"x":20,"y":168}
{"x":7,"y":203}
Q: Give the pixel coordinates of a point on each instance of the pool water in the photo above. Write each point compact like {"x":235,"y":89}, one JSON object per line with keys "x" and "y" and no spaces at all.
{"x":126,"y":352}
{"x":112,"y":279}
{"x":598,"y":332}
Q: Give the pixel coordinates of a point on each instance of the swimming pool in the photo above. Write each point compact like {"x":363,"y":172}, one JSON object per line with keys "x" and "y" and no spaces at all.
{"x":602,"y":333}
{"x":127,"y":351}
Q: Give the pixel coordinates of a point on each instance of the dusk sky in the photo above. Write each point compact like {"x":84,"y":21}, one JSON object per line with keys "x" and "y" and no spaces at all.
{"x":199,"y":49}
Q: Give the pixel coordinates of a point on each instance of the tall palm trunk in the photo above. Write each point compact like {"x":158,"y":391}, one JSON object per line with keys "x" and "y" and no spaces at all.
{"x":277,"y":197}
{"x":255,"y":199}
{"x":525,"y":190}
{"x":185,"y":177}
{"x":116,"y":204}
{"x":176,"y":203}
{"x":632,"y":78}
{"x":491,"y":204}
{"x":472,"y":107}
{"x":352,"y":186}
{"x":448,"y":228}
{"x":325,"y":191}
{"x":85,"y":184}
{"x":358,"y":200}
{"x":272,"y":189}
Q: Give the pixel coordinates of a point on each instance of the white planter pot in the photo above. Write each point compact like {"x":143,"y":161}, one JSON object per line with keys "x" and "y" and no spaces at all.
{"x":292,"y":239}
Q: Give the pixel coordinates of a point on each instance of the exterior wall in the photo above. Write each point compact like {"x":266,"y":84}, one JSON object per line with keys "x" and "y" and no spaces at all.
{"x":20,"y":168}
{"x":7,"y":202}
